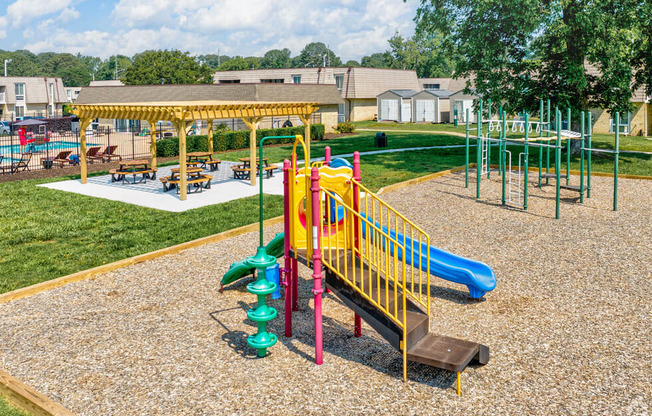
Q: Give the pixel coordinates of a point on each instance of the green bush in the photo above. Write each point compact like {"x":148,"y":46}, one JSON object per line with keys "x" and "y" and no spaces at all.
{"x":345,"y":127}
{"x":234,"y":140}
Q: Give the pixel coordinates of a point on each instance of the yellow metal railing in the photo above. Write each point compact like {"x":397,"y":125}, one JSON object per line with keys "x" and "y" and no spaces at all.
{"x":361,"y":245}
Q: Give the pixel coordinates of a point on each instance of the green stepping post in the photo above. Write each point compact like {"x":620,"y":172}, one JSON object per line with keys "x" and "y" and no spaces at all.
{"x":262,"y":339}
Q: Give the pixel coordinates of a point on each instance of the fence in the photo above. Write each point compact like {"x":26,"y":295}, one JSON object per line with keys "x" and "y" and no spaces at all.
{"x":43,"y":149}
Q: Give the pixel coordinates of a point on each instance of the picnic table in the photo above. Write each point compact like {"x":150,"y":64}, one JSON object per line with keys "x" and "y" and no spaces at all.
{"x":243,"y":170}
{"x":134,"y":168}
{"x":196,"y":181}
{"x":204,"y":159}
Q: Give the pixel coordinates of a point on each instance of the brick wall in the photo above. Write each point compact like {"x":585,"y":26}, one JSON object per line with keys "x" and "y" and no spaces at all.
{"x":363,"y":109}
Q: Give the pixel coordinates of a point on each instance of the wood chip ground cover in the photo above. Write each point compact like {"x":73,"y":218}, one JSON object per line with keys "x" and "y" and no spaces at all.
{"x":568,"y":324}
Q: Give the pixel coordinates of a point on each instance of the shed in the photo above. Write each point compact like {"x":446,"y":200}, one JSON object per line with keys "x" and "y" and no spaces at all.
{"x":461,"y":102}
{"x":395,"y":105}
{"x":443,"y":105}
{"x":425,"y":107}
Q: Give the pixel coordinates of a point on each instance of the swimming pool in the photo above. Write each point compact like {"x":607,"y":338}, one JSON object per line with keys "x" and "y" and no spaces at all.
{"x":7,"y":150}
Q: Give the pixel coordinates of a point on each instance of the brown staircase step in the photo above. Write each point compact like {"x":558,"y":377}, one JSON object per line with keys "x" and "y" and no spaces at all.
{"x":447,"y":353}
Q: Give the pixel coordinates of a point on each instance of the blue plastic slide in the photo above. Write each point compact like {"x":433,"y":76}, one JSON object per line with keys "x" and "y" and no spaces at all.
{"x":477,"y":276}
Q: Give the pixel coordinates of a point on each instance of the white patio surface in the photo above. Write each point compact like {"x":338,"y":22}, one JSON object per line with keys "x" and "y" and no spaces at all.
{"x":150,"y":194}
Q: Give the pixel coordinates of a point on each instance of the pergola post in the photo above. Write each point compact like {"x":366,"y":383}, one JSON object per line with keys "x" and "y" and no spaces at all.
{"x":183,"y":186}
{"x":152,"y":146}
{"x":83,"y":124}
{"x":252,"y":124}
{"x":210,"y":136}
{"x":305,"y":119}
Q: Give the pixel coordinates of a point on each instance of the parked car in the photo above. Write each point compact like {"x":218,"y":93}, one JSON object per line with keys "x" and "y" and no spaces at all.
{"x":5,"y":127}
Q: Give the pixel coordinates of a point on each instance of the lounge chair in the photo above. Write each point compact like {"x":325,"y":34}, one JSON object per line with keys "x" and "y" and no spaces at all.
{"x":22,"y":164}
{"x":62,"y":158}
{"x":108,"y":154}
{"x":91,"y":153}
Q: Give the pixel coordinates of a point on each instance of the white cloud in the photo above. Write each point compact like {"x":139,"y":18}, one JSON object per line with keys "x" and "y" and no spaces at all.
{"x":22,"y":11}
{"x":351,"y":28}
{"x":3,"y":27}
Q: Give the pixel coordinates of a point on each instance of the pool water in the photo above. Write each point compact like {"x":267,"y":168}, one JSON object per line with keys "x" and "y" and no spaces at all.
{"x":7,"y":150}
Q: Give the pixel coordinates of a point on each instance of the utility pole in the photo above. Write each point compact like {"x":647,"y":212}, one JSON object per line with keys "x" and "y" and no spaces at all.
{"x":7,"y":61}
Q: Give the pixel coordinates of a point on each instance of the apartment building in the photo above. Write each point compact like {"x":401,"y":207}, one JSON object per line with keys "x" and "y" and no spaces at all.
{"x":357,"y":86}
{"x":31,"y":97}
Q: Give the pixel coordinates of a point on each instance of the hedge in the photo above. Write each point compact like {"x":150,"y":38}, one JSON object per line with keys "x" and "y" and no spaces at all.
{"x":233,"y":140}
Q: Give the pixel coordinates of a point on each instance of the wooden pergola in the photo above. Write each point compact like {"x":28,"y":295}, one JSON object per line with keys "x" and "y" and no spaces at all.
{"x":183,"y":114}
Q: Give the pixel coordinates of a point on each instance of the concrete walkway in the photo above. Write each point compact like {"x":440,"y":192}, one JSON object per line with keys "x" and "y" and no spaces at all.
{"x":150,"y":194}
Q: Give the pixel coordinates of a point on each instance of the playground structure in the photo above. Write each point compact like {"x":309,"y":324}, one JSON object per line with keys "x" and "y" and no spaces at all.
{"x":515,"y":182}
{"x":376,"y":261}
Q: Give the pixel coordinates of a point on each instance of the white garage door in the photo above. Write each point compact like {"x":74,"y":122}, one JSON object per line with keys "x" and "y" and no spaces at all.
{"x":406,"y":112}
{"x":389,"y":110}
{"x":425,"y":110}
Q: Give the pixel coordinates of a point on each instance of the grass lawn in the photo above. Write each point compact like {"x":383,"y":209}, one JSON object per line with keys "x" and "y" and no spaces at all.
{"x":7,"y":410}
{"x":598,"y":141}
{"x":48,"y":233}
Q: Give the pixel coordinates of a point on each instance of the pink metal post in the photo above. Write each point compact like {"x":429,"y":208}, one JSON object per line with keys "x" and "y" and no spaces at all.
{"x":327,"y":156}
{"x":287,"y":272}
{"x":316,"y":260}
{"x":356,"y":228}
{"x":295,"y":285}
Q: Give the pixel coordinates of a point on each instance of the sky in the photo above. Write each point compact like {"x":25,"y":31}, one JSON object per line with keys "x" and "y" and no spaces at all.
{"x":351,"y":28}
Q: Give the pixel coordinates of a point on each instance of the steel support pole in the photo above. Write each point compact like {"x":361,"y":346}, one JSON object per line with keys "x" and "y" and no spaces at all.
{"x":316,"y":262}
{"x":466,"y":182}
{"x":582,"y":157}
{"x":478,"y":157}
{"x":526,"y":161}
{"x":616,"y":153}
{"x":558,"y":162}
{"x":568,"y":147}
{"x":287,"y":270}
{"x":588,"y":161}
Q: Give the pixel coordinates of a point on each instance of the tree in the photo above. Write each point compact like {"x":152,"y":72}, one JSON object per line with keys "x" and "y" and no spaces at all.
{"x":20,"y":65}
{"x":113,"y":68}
{"x":212,"y":60}
{"x":316,"y":54}
{"x":642,"y":60}
{"x":167,"y":67}
{"x":376,"y":60}
{"x":423,"y":53}
{"x":522,"y":50}
{"x":276,"y":58}
{"x":239,"y":63}
{"x":69,"y":68}
{"x":352,"y":62}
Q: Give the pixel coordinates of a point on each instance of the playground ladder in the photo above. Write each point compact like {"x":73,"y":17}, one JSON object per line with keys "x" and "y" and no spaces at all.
{"x":515,"y":196}
{"x":484,"y":169}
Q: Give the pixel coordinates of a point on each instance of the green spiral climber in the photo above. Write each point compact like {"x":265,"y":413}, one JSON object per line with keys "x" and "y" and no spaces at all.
{"x":262,"y":313}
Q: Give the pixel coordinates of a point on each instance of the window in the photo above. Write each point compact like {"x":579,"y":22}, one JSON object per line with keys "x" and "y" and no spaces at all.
{"x":19,"y":111}
{"x":19,"y":88}
{"x":623,"y":125}
{"x":51,"y":90}
{"x":50,"y":110}
{"x":341,"y":118}
{"x":272,"y":81}
{"x":431,"y":86}
{"x":229,"y":81}
{"x":296,"y":79}
{"x":69,"y":95}
{"x":339,"y":82}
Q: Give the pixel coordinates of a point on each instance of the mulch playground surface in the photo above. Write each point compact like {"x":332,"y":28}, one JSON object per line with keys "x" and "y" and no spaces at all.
{"x":568,"y":324}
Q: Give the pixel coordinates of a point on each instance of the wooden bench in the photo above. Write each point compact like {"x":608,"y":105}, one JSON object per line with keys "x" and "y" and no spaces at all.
{"x":212,"y":164}
{"x":198,"y":183}
{"x":240,"y":172}
{"x":121,"y":175}
{"x":270,"y":170}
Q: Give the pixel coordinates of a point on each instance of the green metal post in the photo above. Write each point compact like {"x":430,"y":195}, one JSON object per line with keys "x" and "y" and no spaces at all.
{"x":526,"y":162}
{"x":478,"y":157}
{"x":502,"y":155}
{"x":558,"y":161}
{"x":582,"y":157}
{"x":548,"y":141}
{"x":500,"y":142}
{"x":489,"y":108}
{"x":568,"y":147}
{"x":540,"y":137}
{"x":466,"y":184}
{"x":588,"y":167}
{"x":616,"y":153}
